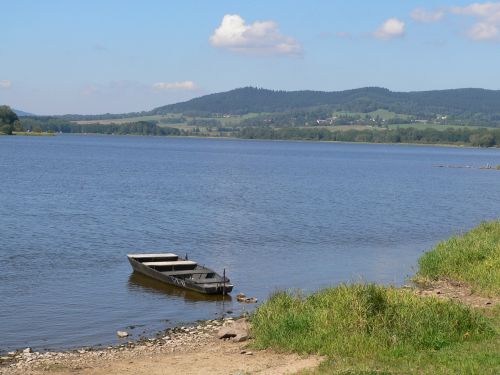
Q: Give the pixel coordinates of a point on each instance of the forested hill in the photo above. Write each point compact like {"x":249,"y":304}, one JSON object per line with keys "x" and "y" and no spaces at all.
{"x":470,"y":103}
{"x":22,"y":113}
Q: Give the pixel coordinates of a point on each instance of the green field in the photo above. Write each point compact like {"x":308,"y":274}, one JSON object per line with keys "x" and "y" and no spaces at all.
{"x":163,"y":120}
{"x":382,"y":113}
{"x":124,"y":120}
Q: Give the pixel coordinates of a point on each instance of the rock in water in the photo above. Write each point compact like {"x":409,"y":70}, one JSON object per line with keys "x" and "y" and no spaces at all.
{"x":121,"y":333}
{"x":240,"y":297}
{"x":27,"y":350}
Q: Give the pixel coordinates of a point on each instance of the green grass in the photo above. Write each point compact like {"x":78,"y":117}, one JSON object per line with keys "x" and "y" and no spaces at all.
{"x":353,"y":320}
{"x":473,"y":258}
{"x":362,"y":329}
{"x":369,"y":329}
{"x":479,"y":356}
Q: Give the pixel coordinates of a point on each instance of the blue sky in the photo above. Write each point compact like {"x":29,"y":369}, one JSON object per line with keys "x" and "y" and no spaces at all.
{"x":123,"y":56}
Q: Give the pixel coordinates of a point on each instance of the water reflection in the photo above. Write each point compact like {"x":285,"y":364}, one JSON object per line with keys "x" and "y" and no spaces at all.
{"x":138,"y":282}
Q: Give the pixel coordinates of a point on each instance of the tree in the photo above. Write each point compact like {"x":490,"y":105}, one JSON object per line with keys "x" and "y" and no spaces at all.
{"x":8,"y":120}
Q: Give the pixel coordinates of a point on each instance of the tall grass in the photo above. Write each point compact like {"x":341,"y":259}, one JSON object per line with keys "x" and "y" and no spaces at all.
{"x":473,"y":258}
{"x":370,"y":329}
{"x":364,"y":321}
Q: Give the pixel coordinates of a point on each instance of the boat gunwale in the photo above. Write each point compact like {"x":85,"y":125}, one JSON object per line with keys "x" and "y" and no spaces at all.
{"x":214,"y":287}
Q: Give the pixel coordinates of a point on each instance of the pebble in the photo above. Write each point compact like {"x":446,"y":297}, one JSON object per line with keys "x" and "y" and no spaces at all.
{"x":171,"y":340}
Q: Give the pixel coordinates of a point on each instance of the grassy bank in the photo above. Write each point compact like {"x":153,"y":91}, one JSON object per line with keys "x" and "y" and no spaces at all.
{"x":371,"y":329}
{"x":473,"y":258}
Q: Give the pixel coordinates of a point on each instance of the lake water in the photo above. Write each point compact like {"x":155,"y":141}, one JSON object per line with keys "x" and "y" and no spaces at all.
{"x":275,"y":215}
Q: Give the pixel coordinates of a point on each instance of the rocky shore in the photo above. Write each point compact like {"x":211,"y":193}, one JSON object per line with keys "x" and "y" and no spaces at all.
{"x":170,"y":340}
{"x":217,"y":344}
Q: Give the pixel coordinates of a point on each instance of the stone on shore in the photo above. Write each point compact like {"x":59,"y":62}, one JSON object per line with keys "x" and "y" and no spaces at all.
{"x":121,"y":333}
{"x":238,"y":331}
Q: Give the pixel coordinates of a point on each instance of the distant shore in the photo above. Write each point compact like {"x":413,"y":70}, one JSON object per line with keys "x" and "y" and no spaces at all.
{"x":447,"y":145}
{"x":35,"y":134}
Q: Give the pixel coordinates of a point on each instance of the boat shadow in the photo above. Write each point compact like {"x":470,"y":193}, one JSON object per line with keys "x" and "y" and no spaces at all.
{"x":137,"y":281}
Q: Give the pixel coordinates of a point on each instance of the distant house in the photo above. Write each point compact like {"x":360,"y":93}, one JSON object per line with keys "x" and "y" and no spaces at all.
{"x":328,"y":121}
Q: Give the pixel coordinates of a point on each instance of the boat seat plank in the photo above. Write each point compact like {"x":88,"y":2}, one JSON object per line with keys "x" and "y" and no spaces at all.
{"x":212,"y":281}
{"x":186,"y":272}
{"x":164,"y":255}
{"x":173,"y":263}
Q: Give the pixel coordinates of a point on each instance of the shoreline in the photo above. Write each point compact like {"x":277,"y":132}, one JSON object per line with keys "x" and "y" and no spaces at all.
{"x":445,"y":145}
{"x":170,"y":337}
{"x":187,"y":349}
{"x":197,"y":339}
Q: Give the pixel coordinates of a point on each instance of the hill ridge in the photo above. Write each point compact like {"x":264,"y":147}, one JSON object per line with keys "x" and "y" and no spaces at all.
{"x":461,"y":101}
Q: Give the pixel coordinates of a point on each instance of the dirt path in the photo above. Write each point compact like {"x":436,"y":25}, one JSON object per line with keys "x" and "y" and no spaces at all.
{"x":197,"y":351}
{"x":457,"y":291}
{"x":211,"y":358}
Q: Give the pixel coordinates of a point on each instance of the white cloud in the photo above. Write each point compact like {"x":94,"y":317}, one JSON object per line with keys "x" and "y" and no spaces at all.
{"x":184,"y":85}
{"x":258,"y":38}
{"x":392,"y":28}
{"x":426,"y":16}
{"x":89,"y":90}
{"x":483,"y":31}
{"x":488,"y":20}
{"x":479,"y":10}
{"x":5,"y":84}
{"x":486,"y":15}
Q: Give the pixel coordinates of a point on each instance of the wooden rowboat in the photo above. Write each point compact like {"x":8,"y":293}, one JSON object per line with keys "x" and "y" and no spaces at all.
{"x":184,"y":273}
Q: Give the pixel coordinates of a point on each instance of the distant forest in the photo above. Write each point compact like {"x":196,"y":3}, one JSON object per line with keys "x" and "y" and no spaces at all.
{"x":369,"y":115}
{"x":481,"y":137}
{"x":60,"y":125}
{"x":459,"y":136}
{"x":471,"y":107}
{"x":475,"y":107}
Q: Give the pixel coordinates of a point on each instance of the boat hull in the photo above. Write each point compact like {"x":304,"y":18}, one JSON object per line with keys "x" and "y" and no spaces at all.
{"x":212,"y":288}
